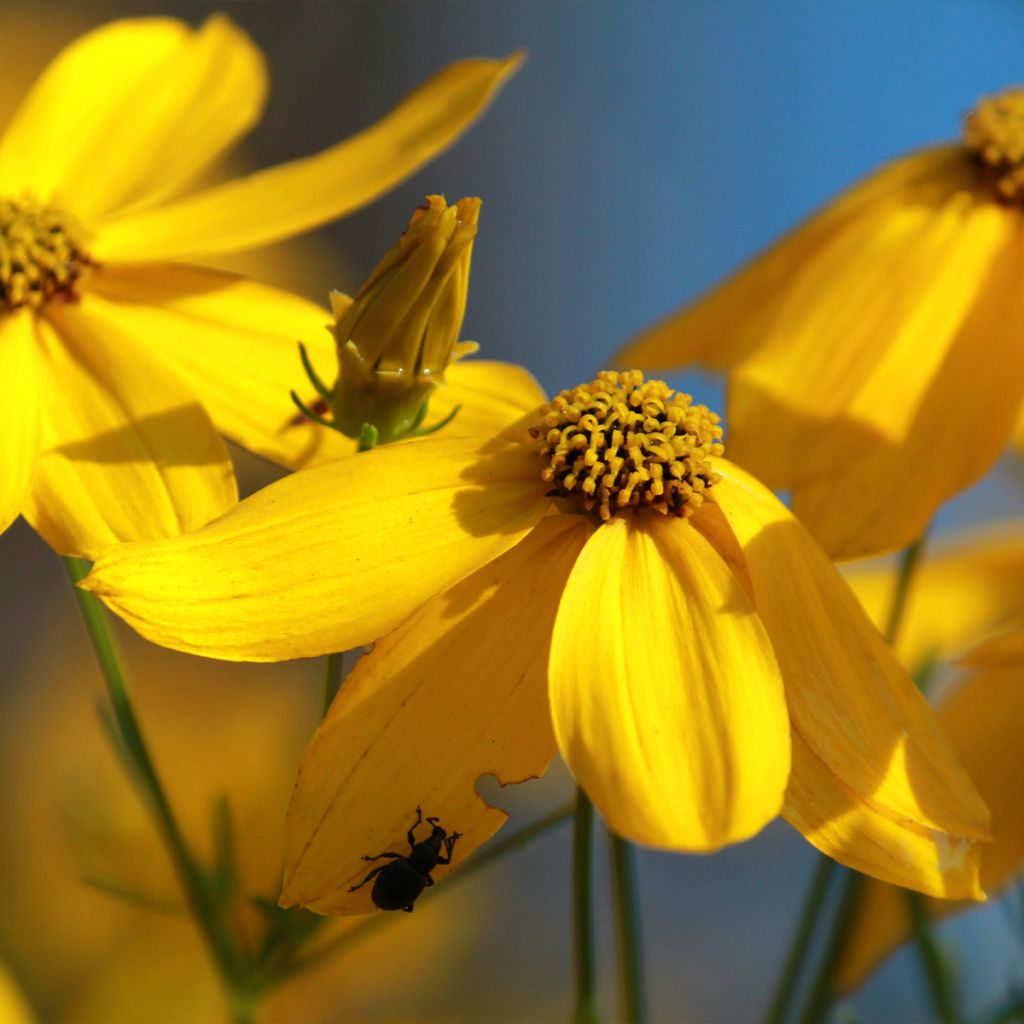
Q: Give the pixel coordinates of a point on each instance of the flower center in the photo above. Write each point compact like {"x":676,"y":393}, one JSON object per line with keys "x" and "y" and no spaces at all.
{"x":994,"y":133}
{"x":620,"y":442}
{"x":41,"y":254}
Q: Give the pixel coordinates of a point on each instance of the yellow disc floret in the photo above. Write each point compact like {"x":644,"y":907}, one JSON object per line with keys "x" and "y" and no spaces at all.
{"x":621,"y":442}
{"x":994,"y":132}
{"x":41,"y":254}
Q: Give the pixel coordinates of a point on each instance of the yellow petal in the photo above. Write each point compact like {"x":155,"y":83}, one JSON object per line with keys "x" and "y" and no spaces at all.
{"x":997,"y":652}
{"x":457,"y":692}
{"x":983,"y":720}
{"x":127,"y":453}
{"x":13,"y":1007}
{"x":234,"y":343}
{"x":882,"y":498}
{"x":735,"y":318}
{"x":667,"y":701}
{"x":330,"y":558}
{"x":129,"y":113}
{"x":970,"y":587}
{"x":296,"y":196}
{"x":19,"y":415}
{"x":862,"y":835}
{"x":849,"y":698}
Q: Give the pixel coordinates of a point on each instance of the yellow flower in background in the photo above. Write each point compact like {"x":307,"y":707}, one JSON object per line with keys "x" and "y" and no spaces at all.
{"x":594,"y":579}
{"x":982,"y":718}
{"x":881,"y":340}
{"x":121,"y":366}
{"x":969,"y":594}
{"x":76,"y":832}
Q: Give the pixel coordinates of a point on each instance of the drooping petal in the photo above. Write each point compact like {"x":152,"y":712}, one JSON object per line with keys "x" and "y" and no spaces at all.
{"x":127,"y":453}
{"x":849,"y":698}
{"x":457,"y":692}
{"x":330,"y":558}
{"x":131,"y":112}
{"x":735,"y":318}
{"x":864,"y":330}
{"x":983,"y":719}
{"x":19,"y":413}
{"x":881,"y":498}
{"x":665,"y":694}
{"x":862,"y":835}
{"x":299,"y":195}
{"x":970,"y":587}
{"x":234,"y":343}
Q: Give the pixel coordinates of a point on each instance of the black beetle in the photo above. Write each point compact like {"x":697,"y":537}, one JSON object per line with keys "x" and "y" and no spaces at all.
{"x":399,"y":883}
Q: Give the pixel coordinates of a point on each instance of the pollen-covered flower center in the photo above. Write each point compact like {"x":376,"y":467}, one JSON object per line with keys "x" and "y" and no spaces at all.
{"x":41,"y":254}
{"x":994,"y":132}
{"x":621,"y":442}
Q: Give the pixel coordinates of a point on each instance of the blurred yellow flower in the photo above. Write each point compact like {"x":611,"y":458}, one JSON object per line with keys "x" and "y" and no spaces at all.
{"x":969,"y":594}
{"x":575,"y":593}
{"x":76,"y":831}
{"x":114,"y":396}
{"x":881,"y":340}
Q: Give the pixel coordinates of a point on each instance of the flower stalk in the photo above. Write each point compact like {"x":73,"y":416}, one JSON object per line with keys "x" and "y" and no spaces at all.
{"x":632,"y":990}
{"x":583,"y":911}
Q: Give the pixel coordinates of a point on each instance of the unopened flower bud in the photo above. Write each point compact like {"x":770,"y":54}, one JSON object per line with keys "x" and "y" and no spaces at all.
{"x":398,"y":336}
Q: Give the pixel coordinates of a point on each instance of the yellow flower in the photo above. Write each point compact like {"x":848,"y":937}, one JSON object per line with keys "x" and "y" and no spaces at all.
{"x":881,"y":339}
{"x":120,"y":363}
{"x":594,"y":579}
{"x":972,"y":591}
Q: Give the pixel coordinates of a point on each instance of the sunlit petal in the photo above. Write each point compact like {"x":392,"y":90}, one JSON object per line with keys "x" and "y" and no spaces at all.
{"x":127,"y":453}
{"x":299,"y":195}
{"x":329,"y":558}
{"x":19,"y":414}
{"x":849,"y":698}
{"x":457,"y":692}
{"x":666,"y":698}
{"x":129,"y":113}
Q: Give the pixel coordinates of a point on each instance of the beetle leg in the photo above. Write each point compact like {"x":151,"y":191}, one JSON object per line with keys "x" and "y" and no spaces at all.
{"x":387,"y":853}
{"x":375,"y":871}
{"x":429,"y":881}
{"x":419,"y":818}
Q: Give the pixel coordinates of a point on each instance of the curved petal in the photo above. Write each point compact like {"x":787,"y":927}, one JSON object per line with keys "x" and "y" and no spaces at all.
{"x":849,"y":698}
{"x":983,"y":720}
{"x":882,"y":498}
{"x":1001,"y":651}
{"x":131,"y":112}
{"x":188,"y":313}
{"x":299,"y":195}
{"x":864,"y":330}
{"x":19,"y":413}
{"x":862,"y":835}
{"x":971,"y":587}
{"x":330,"y":558}
{"x":666,"y":699}
{"x":127,"y":453}
{"x":457,"y":692}
{"x":736,"y":317}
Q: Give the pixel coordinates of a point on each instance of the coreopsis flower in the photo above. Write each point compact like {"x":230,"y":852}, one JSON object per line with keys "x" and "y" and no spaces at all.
{"x":970,"y":592}
{"x":881,"y":339}
{"x":593,"y":579}
{"x":122,"y":363}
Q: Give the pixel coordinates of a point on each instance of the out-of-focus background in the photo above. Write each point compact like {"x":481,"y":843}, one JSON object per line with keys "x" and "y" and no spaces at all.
{"x":643,"y":151}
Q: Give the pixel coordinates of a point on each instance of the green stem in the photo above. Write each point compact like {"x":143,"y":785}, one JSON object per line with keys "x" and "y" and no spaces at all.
{"x":909,"y":561}
{"x":332,"y":679}
{"x":932,"y":961}
{"x":359,"y":933}
{"x":583,"y":911}
{"x":821,"y":994}
{"x":786,"y":987}
{"x":200,"y":899}
{"x":632,"y":992}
